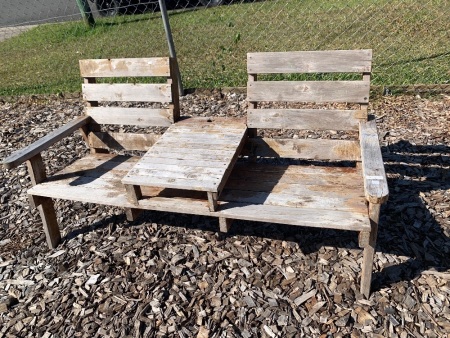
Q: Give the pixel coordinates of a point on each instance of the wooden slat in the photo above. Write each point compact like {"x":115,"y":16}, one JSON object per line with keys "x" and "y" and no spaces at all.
{"x":140,"y":92}
{"x":132,"y":67}
{"x":314,"y":149}
{"x":301,"y":198}
{"x":318,"y":119}
{"x":144,"y":117}
{"x":35,"y":148}
{"x":335,"y":61}
{"x":197,"y":184}
{"x":309,"y":91}
{"x":122,"y":141}
{"x":375,"y":182}
{"x":319,"y":218}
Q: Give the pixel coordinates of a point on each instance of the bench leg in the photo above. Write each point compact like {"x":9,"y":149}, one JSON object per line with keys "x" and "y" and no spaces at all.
{"x":212,"y":201}
{"x":134,"y":193}
{"x":49,"y":221}
{"x":132,"y":214}
{"x":225,"y":224}
{"x":369,"y":250}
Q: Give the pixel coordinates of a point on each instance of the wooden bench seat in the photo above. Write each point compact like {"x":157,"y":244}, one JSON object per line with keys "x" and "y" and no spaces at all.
{"x":342,"y":188}
{"x":325,"y":197}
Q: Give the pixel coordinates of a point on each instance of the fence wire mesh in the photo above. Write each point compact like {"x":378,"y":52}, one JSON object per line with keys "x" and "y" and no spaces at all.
{"x":41,"y":41}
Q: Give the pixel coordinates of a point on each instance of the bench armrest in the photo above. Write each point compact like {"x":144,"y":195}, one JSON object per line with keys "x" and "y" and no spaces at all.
{"x":375,"y":182}
{"x":22,"y":155}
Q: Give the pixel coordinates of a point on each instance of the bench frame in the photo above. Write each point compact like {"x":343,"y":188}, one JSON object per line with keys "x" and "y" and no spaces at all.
{"x":366,"y":152}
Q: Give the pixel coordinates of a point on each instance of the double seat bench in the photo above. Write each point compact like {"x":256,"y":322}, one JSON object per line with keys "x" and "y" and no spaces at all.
{"x":226,"y":167}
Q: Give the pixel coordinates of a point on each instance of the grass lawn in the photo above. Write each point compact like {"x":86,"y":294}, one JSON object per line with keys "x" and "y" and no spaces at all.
{"x":409,"y":38}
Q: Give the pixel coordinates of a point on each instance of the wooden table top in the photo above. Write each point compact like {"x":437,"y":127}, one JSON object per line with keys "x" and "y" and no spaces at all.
{"x":193,"y":154}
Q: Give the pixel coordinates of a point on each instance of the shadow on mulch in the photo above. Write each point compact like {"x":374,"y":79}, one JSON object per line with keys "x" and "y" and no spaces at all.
{"x":407,"y":227}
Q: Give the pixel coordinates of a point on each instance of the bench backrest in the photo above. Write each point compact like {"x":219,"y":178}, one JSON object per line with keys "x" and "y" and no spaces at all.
{"x":332,"y":91}
{"x":133,"y":88}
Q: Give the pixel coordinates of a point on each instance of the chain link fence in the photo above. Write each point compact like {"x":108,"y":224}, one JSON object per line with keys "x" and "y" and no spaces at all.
{"x":41,"y":41}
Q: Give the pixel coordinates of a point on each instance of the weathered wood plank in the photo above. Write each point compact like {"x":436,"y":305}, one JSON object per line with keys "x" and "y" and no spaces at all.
{"x":335,"y":61}
{"x":150,"y":166}
{"x":144,"y":117}
{"x":197,"y":173}
{"x":218,"y":163}
{"x":333,"y":219}
{"x":369,"y":250}
{"x":375,"y":182}
{"x":315,"y":149}
{"x":131,"y":67}
{"x":310,"y":119}
{"x":309,"y":91}
{"x":35,"y":148}
{"x":122,"y":141}
{"x":301,"y":198}
{"x":139,"y":92}
{"x":197,"y":184}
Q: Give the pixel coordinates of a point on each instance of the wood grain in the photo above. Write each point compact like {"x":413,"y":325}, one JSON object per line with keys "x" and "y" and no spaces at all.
{"x":335,"y":61}
{"x":375,"y":182}
{"x":306,"y":119}
{"x":35,"y":148}
{"x":139,"y":92}
{"x":131,"y":67}
{"x":312,"y":149}
{"x":144,"y":117}
{"x":309,"y":91}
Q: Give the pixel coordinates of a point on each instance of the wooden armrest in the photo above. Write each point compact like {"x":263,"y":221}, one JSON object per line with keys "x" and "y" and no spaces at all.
{"x":22,"y":155}
{"x":375,"y":182}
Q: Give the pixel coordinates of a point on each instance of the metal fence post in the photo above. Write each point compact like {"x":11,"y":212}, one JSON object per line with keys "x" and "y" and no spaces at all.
{"x":86,"y":12}
{"x":173,"y":54}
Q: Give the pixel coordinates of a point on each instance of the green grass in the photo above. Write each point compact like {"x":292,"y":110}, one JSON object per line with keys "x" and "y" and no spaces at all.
{"x":410,"y":41}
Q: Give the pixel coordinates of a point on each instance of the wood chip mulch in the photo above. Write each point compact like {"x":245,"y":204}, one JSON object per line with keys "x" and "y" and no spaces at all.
{"x":170,"y":275}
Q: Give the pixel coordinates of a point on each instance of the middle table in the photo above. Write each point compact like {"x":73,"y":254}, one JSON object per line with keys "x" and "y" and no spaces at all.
{"x":193,"y":154}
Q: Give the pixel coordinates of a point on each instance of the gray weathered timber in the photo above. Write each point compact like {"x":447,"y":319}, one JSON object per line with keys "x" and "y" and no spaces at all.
{"x":309,"y":91}
{"x":317,"y":149}
{"x":131,"y":67}
{"x":342,"y":61}
{"x":304,"y":119}
{"x":375,"y":182}
{"x":35,"y":148}
{"x":145,"y":92}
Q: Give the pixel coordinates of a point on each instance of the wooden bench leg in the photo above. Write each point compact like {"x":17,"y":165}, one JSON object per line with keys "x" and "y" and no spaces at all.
{"x":49,"y":221}
{"x":212,"y":201}
{"x":132,"y":214}
{"x":369,"y":249}
{"x":134,"y":193}
{"x":225,"y":224}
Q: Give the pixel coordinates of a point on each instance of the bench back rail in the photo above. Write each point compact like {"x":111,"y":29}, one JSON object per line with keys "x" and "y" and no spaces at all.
{"x":128,"y":84}
{"x":261,"y":94}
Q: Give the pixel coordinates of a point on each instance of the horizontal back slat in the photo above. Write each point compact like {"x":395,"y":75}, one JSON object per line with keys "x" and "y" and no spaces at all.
{"x":336,"y":61}
{"x":143,"y":92}
{"x":131,"y":67}
{"x":309,"y":91}
{"x":143,"y":117}
{"x":122,"y":141}
{"x":318,"y":119}
{"x":313,"y":149}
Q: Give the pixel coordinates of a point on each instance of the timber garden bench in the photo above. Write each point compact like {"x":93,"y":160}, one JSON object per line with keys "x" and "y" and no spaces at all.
{"x":220,"y":166}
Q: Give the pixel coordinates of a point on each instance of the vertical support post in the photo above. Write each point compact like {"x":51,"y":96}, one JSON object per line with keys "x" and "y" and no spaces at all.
{"x":46,"y":209}
{"x":252,"y":132}
{"x":173,"y":54}
{"x":369,"y":250}
{"x":212,"y":200}
{"x":86,"y":13}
